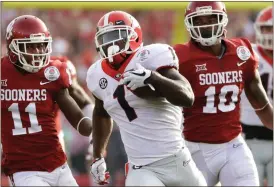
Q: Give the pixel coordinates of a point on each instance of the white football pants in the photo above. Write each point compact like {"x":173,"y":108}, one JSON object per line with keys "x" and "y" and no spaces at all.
{"x":230,"y":163}
{"x":61,"y":176}
{"x":176,"y":170}
{"x":262,"y":151}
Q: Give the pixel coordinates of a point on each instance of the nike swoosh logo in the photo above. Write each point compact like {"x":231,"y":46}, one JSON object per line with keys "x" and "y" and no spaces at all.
{"x":139,"y":74}
{"x":136,"y":167}
{"x":43,"y":83}
{"x":241,"y":63}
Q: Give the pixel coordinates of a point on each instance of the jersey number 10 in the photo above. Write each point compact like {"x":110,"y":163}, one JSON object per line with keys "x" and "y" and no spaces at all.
{"x":222,"y":106}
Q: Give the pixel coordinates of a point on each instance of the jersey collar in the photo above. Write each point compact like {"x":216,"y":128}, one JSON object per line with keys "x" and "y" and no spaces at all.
{"x":116,"y":74}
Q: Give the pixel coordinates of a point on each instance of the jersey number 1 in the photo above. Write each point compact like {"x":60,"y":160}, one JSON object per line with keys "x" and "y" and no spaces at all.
{"x":119,"y":93}
{"x":19,"y":130}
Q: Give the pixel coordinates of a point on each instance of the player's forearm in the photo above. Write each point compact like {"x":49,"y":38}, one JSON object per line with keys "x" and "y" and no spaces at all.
{"x":81,"y":123}
{"x":73,"y":113}
{"x":85,"y":127}
{"x":266,"y":116}
{"x":258,"y":99}
{"x":102,"y":128}
{"x":177,"y":92}
{"x":79,"y":95}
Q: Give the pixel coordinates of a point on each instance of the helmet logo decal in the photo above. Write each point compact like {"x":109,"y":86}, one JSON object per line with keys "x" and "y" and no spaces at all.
{"x":204,"y":9}
{"x":51,"y":73}
{"x":119,"y":22}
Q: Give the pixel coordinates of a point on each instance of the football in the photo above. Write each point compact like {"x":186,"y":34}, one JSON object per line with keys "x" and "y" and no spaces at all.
{"x":145,"y":92}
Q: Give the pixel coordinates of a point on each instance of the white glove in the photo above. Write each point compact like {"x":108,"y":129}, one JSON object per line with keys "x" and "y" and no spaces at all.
{"x":136,"y":78}
{"x":98,"y":170}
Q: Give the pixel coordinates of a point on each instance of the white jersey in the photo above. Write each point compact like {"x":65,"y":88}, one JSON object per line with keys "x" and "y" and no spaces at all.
{"x":248,"y":115}
{"x":150,"y":129}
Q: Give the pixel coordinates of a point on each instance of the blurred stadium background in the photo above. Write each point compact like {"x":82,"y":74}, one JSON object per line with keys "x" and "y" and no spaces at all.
{"x":73,"y":25}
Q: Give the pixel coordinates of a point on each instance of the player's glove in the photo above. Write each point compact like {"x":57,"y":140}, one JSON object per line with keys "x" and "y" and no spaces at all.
{"x":136,"y":78}
{"x":98,"y":171}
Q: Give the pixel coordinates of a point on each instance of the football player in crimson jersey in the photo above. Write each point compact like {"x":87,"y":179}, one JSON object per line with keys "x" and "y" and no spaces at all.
{"x":31,"y":87}
{"x":77,"y":93}
{"x":218,"y":69}
{"x":259,"y":138}
{"x":150,"y":127}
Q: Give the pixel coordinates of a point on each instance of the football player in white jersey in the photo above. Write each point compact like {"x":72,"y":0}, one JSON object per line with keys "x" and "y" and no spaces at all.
{"x":259,"y":138}
{"x":150,"y":122}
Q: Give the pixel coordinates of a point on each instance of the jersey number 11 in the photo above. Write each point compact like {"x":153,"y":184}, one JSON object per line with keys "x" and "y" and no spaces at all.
{"x":19,"y":130}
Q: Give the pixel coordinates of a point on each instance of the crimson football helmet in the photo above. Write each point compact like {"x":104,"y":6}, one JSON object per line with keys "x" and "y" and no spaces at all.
{"x":206,"y":8}
{"x":22,"y":32}
{"x":117,"y":33}
{"x":264,"y":19}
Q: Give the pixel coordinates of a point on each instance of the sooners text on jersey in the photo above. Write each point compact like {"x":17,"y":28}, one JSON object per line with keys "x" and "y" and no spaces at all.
{"x":29,"y":135}
{"x":217,"y":85}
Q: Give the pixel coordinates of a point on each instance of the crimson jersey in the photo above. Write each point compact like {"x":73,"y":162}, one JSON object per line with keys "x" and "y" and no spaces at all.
{"x":72,"y":70}
{"x":217,"y":85}
{"x":29,"y":134}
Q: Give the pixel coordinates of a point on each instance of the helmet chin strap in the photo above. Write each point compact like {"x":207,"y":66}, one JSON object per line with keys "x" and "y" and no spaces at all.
{"x":111,"y":51}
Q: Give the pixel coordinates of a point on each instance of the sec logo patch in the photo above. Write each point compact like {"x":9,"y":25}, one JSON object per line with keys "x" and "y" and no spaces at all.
{"x":103,"y":83}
